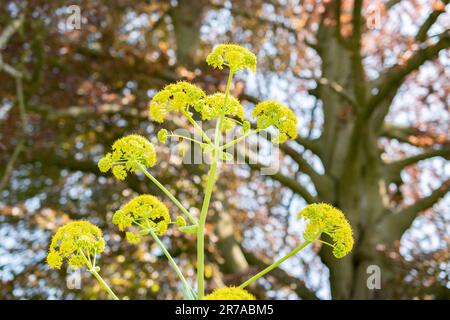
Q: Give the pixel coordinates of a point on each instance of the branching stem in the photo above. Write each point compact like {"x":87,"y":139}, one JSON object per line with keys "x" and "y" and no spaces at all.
{"x":93,"y":271}
{"x":171,"y":260}
{"x":167,"y":193}
{"x":236,"y":141}
{"x":274,"y":265}
{"x":207,"y":199}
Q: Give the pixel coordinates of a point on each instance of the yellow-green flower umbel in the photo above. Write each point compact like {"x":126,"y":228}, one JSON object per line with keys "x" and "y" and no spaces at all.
{"x":232,"y":55}
{"x":72,"y":241}
{"x":324,"y":218}
{"x":175,"y":97}
{"x":214,"y":106}
{"x":126,"y":153}
{"x":144,"y":212}
{"x":230,"y":293}
{"x":272,"y":113}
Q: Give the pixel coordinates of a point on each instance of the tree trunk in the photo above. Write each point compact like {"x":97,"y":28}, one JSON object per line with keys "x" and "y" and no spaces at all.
{"x":348,"y":149}
{"x":187,"y":18}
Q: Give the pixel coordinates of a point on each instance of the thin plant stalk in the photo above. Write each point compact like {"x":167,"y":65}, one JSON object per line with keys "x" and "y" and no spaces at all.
{"x":93,"y":271}
{"x":196,"y":126}
{"x":232,"y":143}
{"x":171,"y":260}
{"x":207,"y":199}
{"x":274,"y":265}
{"x":167,"y":193}
{"x":187,"y":138}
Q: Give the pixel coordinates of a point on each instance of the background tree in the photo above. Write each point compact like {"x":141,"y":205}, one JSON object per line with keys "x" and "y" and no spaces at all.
{"x":367,"y":79}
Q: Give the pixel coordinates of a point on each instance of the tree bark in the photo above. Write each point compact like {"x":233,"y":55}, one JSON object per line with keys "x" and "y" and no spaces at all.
{"x":187,"y":18}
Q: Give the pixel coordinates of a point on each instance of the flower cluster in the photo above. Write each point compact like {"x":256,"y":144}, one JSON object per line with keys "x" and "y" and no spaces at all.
{"x":324,"y":218}
{"x":230,"y":293}
{"x":232,"y":55}
{"x":79,"y":242}
{"x":175,"y":97}
{"x":217,"y":104}
{"x":272,"y":113}
{"x":163,"y":134}
{"x":126,"y":153}
{"x":144,"y":211}
{"x":180,"y":221}
{"x":183,"y":95}
{"x":73,"y":240}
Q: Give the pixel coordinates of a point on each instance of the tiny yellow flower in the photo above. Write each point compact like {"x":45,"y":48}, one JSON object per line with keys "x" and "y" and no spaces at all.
{"x":54,"y":259}
{"x":162,"y":135}
{"x":119,"y":172}
{"x":180,"y":221}
{"x":234,"y":56}
{"x":144,"y":211}
{"x":72,"y":239}
{"x":245,"y":126}
{"x":175,"y":97}
{"x":133,"y":237}
{"x":324,"y":218}
{"x":214,"y":106}
{"x":126,"y":153}
{"x":230,"y":293}
{"x":272,"y":113}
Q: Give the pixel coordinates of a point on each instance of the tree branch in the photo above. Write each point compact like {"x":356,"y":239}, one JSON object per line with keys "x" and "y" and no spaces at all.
{"x":17,"y":75}
{"x":393,"y":77}
{"x":412,"y":135}
{"x":337,"y":16}
{"x":400,"y":221}
{"x":10,"y":165}
{"x":89,"y":166}
{"x":9,"y":31}
{"x":288,"y":182}
{"x":9,"y":69}
{"x":359,"y":77}
{"x":425,"y":27}
{"x":322,"y":183}
{"x":391,"y":3}
{"x":337,"y":88}
{"x":396,"y":166}
{"x":309,"y":144}
{"x":4,"y":37}
{"x":253,"y":15}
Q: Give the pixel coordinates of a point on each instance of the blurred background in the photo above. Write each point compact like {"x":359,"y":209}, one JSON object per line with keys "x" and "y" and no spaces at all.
{"x":368,"y":80}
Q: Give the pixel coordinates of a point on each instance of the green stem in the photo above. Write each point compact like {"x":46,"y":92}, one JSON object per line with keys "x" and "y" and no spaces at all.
{"x":196,"y":126}
{"x":227,"y":90}
{"x":167,"y":193}
{"x":171,"y":261}
{"x":274,"y":265}
{"x":187,"y":138}
{"x":103,"y":284}
{"x":98,"y":277}
{"x":232,"y":143}
{"x":207,"y":199}
{"x":201,"y":228}
{"x":324,"y":242}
